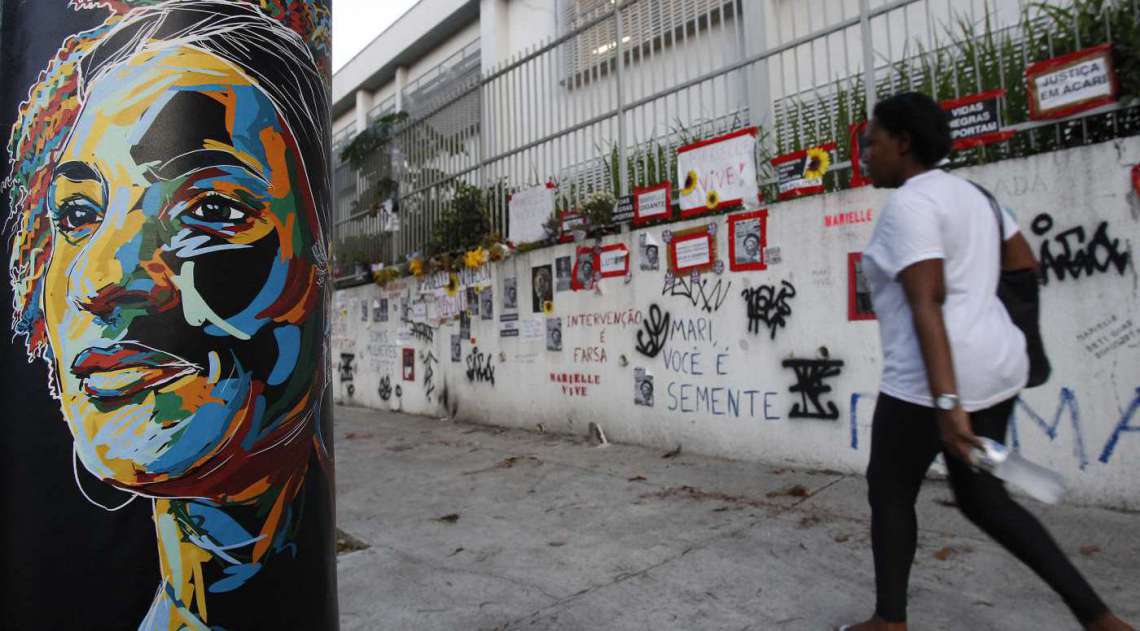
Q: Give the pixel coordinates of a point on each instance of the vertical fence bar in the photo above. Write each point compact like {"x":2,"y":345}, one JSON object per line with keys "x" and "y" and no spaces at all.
{"x":868,"y":55}
{"x":619,"y":74}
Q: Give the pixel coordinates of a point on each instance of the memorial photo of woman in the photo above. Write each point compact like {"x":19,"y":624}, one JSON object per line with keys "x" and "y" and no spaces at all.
{"x":169,"y":200}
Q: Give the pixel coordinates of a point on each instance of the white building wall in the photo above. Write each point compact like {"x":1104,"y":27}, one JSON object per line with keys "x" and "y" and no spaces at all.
{"x":1089,"y":323}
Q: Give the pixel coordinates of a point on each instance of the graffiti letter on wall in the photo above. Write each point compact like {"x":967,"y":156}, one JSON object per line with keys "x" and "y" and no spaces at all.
{"x":810,"y":374}
{"x":385,"y":389}
{"x":480,"y":367}
{"x":1068,"y":401}
{"x":697,"y":291}
{"x":429,"y":360}
{"x":657,"y":329}
{"x":1077,"y":256}
{"x":1123,"y":426}
{"x":767,"y":306}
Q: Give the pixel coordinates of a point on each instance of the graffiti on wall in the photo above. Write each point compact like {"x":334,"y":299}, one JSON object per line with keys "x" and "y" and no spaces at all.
{"x":768,"y":307}
{"x":423,"y":332}
{"x":655,"y":330}
{"x":385,"y":389}
{"x":347,"y":370}
{"x":810,"y":376}
{"x":480,"y":367}
{"x":1077,"y":254}
{"x":429,"y":361}
{"x":169,"y":215}
{"x":699,"y":291}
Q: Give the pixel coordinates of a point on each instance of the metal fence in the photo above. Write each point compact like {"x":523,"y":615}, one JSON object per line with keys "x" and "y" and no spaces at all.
{"x":603,"y":106}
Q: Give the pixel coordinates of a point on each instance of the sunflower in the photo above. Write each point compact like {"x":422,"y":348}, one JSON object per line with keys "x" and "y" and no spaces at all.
{"x":452,"y":284}
{"x":712,"y":200}
{"x":548,"y":307}
{"x":818,"y":161}
{"x":475,"y":258}
{"x":690,"y":183}
{"x":416,"y":266}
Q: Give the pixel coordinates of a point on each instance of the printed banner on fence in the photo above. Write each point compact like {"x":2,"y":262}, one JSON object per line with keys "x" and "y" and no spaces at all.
{"x":975,"y":119}
{"x":1071,"y":83}
{"x":623,"y":209}
{"x":801,"y":173}
{"x":718,"y":173}
{"x":528,"y":210}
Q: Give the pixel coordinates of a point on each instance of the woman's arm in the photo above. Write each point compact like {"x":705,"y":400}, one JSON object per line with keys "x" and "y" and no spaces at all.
{"x":926,"y":292}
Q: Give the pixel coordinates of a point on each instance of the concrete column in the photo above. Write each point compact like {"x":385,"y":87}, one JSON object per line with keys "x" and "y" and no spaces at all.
{"x":494,"y":32}
{"x":757,"y":17}
{"x":363,"y":106}
{"x":192,"y":488}
{"x":401,"y":81}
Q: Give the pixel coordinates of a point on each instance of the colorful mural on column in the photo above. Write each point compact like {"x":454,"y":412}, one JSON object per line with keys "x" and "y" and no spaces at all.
{"x":168,"y":202}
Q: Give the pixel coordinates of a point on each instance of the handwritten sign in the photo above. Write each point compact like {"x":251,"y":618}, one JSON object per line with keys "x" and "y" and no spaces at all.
{"x":652,"y":203}
{"x":718,"y":173}
{"x":529,"y":209}
{"x":614,"y":260}
{"x":1071,"y":83}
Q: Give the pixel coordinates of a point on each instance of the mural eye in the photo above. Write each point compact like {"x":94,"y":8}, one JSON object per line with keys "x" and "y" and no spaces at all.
{"x":77,"y":213}
{"x":216,"y":209}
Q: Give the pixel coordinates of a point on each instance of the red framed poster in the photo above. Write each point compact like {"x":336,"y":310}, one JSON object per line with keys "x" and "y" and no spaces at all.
{"x":855,"y":135}
{"x":718,"y":173}
{"x":692,"y":250}
{"x":975,"y":119}
{"x":652,"y":203}
{"x":801,"y":172}
{"x":1072,"y":83}
{"x":747,"y":238}
{"x":409,"y":364}
{"x":1136,"y":179}
{"x":568,"y":220}
{"x":613,"y":260}
{"x":859,"y":305}
{"x":586,"y":268}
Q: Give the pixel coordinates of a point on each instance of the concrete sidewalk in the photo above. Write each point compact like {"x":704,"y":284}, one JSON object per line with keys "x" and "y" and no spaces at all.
{"x":473,"y":527}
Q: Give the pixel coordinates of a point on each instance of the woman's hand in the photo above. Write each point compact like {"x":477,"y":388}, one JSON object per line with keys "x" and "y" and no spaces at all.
{"x":957,"y":436}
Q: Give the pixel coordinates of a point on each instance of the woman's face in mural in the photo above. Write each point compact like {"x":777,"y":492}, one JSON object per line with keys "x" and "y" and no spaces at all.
{"x":176,"y":321}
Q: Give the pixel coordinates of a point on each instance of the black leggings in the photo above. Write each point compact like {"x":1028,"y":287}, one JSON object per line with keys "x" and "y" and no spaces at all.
{"x":904,"y":441}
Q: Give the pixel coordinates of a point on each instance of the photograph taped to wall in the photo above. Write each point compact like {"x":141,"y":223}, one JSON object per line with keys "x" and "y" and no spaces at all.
{"x":456,"y":348}
{"x":747,"y":238}
{"x":487,"y":304}
{"x":585,"y":272}
{"x":650,"y":255}
{"x":541,"y":288}
{"x":642,"y":387}
{"x":563,"y":270}
{"x":472,"y":301}
{"x":554,"y":334}
{"x":859,"y":306}
{"x":510,"y":293}
{"x":379,"y":311}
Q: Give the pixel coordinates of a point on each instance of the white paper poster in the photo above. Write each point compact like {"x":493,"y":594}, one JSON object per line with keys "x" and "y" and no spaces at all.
{"x":1083,"y":81}
{"x":718,"y":172}
{"x":653,"y":203}
{"x":613,"y":261}
{"x":532,"y":329}
{"x":693,"y":252}
{"x":529,"y":209}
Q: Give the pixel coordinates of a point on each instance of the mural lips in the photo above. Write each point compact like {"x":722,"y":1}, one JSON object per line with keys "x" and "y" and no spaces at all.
{"x":120,"y":371}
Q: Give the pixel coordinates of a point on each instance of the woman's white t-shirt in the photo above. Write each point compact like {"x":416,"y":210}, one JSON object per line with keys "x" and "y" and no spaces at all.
{"x":936,"y":215}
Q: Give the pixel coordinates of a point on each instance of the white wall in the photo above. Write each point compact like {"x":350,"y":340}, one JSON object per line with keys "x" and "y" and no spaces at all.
{"x":1078,"y":188}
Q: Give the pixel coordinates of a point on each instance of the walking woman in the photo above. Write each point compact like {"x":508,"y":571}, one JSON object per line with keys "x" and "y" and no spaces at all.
{"x":953,"y":361}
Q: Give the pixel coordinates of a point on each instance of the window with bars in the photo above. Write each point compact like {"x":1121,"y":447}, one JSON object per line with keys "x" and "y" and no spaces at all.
{"x":646,"y":26}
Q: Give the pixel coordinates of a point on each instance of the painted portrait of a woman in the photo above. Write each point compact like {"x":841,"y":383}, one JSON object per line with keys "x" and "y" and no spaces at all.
{"x":169,"y":263}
